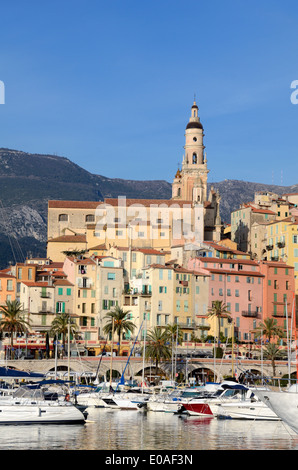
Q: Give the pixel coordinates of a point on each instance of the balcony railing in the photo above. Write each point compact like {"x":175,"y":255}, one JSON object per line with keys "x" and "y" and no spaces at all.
{"x":247,"y":313}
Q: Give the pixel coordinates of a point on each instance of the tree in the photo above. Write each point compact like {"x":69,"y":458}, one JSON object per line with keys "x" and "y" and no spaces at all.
{"x":158,"y":346}
{"x":13,"y":320}
{"x":119,"y":323}
{"x":270,"y":329}
{"x":218,"y":310}
{"x":60,"y":326}
{"x":271,"y":352}
{"x":175,"y":334}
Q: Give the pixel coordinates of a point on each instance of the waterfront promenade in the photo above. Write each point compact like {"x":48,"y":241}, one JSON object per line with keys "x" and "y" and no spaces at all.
{"x":218,"y":368}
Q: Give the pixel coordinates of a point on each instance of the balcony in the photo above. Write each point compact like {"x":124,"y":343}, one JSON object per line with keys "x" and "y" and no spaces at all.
{"x":252,"y":314}
{"x":45,"y":309}
{"x":269,"y":247}
{"x":281,"y":244}
{"x":46,"y":295}
{"x":85,"y":283}
{"x":188,"y":325}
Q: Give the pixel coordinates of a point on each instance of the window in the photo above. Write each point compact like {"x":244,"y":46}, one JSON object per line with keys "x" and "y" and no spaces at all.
{"x":63,"y":218}
{"x":111,"y":276}
{"x":160,"y":305}
{"x":68,"y":291}
{"x":60,"y":291}
{"x":185,"y":305}
{"x":9,"y":284}
{"x":60,"y":307}
{"x":90,"y":218}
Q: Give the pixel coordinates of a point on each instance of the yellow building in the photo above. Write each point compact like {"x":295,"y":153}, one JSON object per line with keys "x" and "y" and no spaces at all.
{"x":282,"y":243}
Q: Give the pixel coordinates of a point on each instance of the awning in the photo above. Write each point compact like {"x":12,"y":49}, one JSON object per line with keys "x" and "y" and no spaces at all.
{"x":7,"y":373}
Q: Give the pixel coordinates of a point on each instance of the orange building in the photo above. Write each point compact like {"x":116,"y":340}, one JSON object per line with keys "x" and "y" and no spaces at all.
{"x":7,"y":287}
{"x":278,"y":292}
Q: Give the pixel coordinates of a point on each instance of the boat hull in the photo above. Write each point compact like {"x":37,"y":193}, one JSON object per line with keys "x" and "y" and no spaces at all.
{"x":252,"y":411}
{"x":43,"y":414}
{"x":284,"y":404}
{"x":198,"y":409}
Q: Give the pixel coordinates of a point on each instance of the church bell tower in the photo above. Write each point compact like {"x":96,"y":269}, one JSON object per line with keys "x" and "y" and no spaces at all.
{"x":190,"y":183}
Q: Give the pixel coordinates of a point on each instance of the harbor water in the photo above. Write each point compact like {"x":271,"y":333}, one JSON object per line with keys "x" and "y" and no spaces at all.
{"x":123,"y":430}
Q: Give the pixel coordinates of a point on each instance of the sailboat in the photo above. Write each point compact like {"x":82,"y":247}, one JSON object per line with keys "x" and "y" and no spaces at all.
{"x":285,"y":402}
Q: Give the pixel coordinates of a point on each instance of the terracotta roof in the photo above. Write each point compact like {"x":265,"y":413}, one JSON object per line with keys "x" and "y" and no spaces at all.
{"x":5,"y":275}
{"x":69,"y":238}
{"x":36,"y":284}
{"x":85,"y":261}
{"x":74,"y":204}
{"x":98,"y":247}
{"x":160,"y":266}
{"x":147,"y":251}
{"x":236,"y":273}
{"x":228,"y":260}
{"x":148,"y":202}
{"x":62,"y":282}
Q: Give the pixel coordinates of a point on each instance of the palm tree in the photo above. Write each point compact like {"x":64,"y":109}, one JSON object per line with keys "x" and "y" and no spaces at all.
{"x":118,"y":322}
{"x":270,"y":329}
{"x":271,"y":352}
{"x":175,"y":334}
{"x":13,"y":320}
{"x":218,"y":310}
{"x":157,"y":347}
{"x":60,"y":326}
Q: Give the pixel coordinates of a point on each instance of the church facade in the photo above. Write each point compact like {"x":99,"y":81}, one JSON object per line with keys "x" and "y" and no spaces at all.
{"x":190,"y":216}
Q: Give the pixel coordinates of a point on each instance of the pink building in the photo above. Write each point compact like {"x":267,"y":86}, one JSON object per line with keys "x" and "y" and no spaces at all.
{"x":239,"y":284}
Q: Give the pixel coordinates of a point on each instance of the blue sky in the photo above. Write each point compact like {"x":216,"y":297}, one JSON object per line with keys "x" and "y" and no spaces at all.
{"x":110,"y":85}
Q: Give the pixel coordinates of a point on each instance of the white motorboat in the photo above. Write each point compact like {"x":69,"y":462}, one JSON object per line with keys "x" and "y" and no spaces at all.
{"x":231,"y":394}
{"x":283,"y":403}
{"x":29,"y":406}
{"x":126,"y":400}
{"x":250,"y":408}
{"x":171,"y":402}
